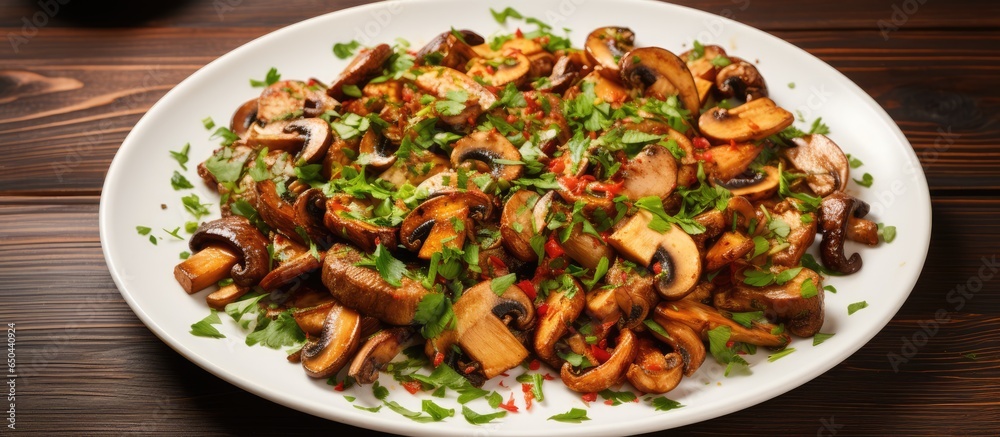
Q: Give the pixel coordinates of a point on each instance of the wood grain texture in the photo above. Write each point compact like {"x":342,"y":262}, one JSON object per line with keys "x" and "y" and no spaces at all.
{"x":70,"y":95}
{"x":92,"y":367}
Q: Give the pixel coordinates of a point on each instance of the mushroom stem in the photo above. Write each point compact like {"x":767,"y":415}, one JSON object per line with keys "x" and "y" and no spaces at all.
{"x":225,"y":296}
{"x":206,"y":267}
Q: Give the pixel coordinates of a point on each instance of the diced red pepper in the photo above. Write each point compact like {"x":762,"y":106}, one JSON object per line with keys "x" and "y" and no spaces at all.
{"x":490,"y":69}
{"x":557,"y":166}
{"x":700,"y":143}
{"x":609,"y":189}
{"x":518,"y":33}
{"x":609,"y":402}
{"x":509,"y":405}
{"x":408,"y":94}
{"x":528,"y":395}
{"x":528,"y":288}
{"x":590,"y":397}
{"x":730,"y":343}
{"x":542,"y":309}
{"x":438,"y":359}
{"x":703,"y":156}
{"x":553,"y":249}
{"x":654,"y":367}
{"x":497,"y":262}
{"x":534,"y":365}
{"x":339,"y":386}
{"x":412,"y":386}
{"x":511,"y":118}
{"x":469,"y":369}
{"x":599,"y":353}
{"x":548,"y":377}
{"x":657,"y":268}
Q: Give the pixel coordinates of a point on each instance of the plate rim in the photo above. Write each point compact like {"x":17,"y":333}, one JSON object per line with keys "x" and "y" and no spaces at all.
{"x":648,"y":424}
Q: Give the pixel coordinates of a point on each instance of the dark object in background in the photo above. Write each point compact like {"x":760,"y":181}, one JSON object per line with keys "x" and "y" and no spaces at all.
{"x":111,"y":13}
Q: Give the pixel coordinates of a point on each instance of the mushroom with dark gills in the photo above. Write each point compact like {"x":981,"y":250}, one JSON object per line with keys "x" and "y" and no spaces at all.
{"x":227,"y":247}
{"x":672,"y":256}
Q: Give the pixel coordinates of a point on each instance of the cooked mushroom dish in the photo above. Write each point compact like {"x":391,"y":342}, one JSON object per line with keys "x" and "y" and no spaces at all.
{"x":617,"y":213}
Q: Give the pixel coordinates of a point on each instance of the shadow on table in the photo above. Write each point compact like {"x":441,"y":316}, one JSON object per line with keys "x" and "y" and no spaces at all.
{"x":113,"y":13}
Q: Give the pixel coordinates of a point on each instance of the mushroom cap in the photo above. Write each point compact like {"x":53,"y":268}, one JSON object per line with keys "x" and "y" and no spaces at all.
{"x":435,"y":220}
{"x":606,"y":45}
{"x":336,"y":344}
{"x":825,"y":163}
{"x":751,"y":121}
{"x":605,"y":375}
{"x":563,"y":308}
{"x":238,"y":233}
{"x":364,"y":290}
{"x":366,"y":65}
{"x":741,"y":80}
{"x":835,"y":212}
{"x":517,"y":227}
{"x":489,"y":147}
{"x":652,"y":371}
{"x":661,"y":74}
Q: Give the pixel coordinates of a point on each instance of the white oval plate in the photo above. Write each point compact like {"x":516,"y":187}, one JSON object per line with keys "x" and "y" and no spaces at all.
{"x":137,"y":184}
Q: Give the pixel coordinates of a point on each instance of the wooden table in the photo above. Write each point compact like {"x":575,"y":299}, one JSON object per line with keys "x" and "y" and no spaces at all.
{"x":75,"y":86}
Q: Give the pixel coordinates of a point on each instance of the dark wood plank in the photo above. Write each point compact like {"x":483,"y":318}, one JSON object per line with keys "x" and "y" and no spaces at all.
{"x":803,"y":15}
{"x":931,"y":83}
{"x":93,"y":368}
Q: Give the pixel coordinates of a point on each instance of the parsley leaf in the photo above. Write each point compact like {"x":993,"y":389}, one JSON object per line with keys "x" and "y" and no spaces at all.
{"x":575,"y":415}
{"x":193,"y":205}
{"x":282,"y":331}
{"x":224,"y":166}
{"x":888,"y":233}
{"x":820,"y":338}
{"x":479,"y":419}
{"x":718,"y":339}
{"x":182,"y":156}
{"x":390,"y":268}
{"x":747,"y":319}
{"x":617,"y":397}
{"x":143,"y":230}
{"x":269,"y":79}
{"x":819,"y":128}
{"x":345,"y":50}
{"x":758,"y":278}
{"x":179,"y":182}
{"x":204,"y":328}
{"x":351,"y":91}
{"x":808,"y":289}
{"x":501,"y":17}
{"x":856,"y":306}
{"x":501,"y":284}
{"x":654,"y":205}
{"x":787,"y":275}
{"x":663,"y":404}
{"x":436,"y":314}
{"x":778,"y":355}
{"x":174,"y":233}
{"x":854,"y":162}
{"x":599,"y":272}
{"x":866,"y":180}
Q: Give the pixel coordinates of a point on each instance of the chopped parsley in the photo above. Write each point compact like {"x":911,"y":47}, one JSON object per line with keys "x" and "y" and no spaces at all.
{"x":182,"y":156}
{"x":193,"y":205}
{"x":204,"y":328}
{"x":575,"y":415}
{"x":778,"y":355}
{"x":270,"y":78}
{"x":856,"y":306}
{"x":390,"y":268}
{"x":479,"y":419}
{"x":854,"y":162}
{"x":718,"y":340}
{"x":820,"y":338}
{"x":179,"y":182}
{"x":866,"y":180}
{"x":143,"y":230}
{"x":501,"y":17}
{"x":435,"y":313}
{"x":661,"y":403}
{"x":887,"y":233}
{"x":345,"y":50}
{"x":501,"y":284}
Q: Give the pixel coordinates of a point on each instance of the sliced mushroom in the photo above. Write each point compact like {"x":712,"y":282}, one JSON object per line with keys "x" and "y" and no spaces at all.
{"x":730,"y":161}
{"x":653,"y":172}
{"x":607,"y":374}
{"x":225,"y":295}
{"x":517,"y":227}
{"x":753,"y":185}
{"x":634,"y":293}
{"x":366,"y":65}
{"x":661,"y":74}
{"x":564,"y":306}
{"x":438,"y":81}
{"x":862,"y":231}
{"x":364,"y":289}
{"x":606,"y":46}
{"x":835,"y":213}
{"x":277,"y":212}
{"x":235,"y":243}
{"x":480,"y":330}
{"x":602,"y":305}
{"x":701,"y":66}
{"x":511,"y":67}
{"x":290,"y":270}
{"x":672,"y":255}
{"x":789,"y":250}
{"x":377,"y":352}
{"x":730,"y":247}
{"x":823,"y":161}
{"x":740,"y":80}
{"x":326,"y":355}
{"x":492,"y":149}
{"x":415,"y":169}
{"x":442,"y":222}
{"x":684,"y":341}
{"x":652,"y":371}
{"x":450,"y":50}
{"x":802,"y":316}
{"x":564,"y":74}
{"x":585,"y":249}
{"x":376,"y":151}
{"x":703,"y":318}
{"x":343,"y":217}
{"x":751,"y":121}
{"x":244,"y":117}
{"x":310,"y":207}
{"x":282,"y":100}
{"x":308,"y":138}
{"x":312,"y":319}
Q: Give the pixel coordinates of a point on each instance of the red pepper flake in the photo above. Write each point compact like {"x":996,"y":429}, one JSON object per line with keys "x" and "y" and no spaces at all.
{"x":599,"y":353}
{"x":412,"y":386}
{"x":504,"y":374}
{"x":548,"y":377}
{"x":311,"y":82}
{"x":469,"y":369}
{"x":534,"y":365}
{"x":703,"y":156}
{"x":497,"y":262}
{"x":542,"y":309}
{"x":528,"y":395}
{"x":658,"y":268}
{"x":490,"y":69}
{"x":609,"y":402}
{"x":339,"y":386}
{"x":730,"y":343}
{"x":553,"y":249}
{"x":511,"y":118}
{"x":654,"y":367}
{"x":528,"y":288}
{"x":438,"y":359}
{"x":527,"y":387}
{"x":518,"y":33}
{"x":590,"y":397}
{"x":609,"y":189}
{"x":700,"y":143}
{"x":501,"y":384}
{"x":753,"y":125}
{"x":593,"y":135}
{"x":509,"y":405}
{"x":557,"y":166}
{"x":408,"y":95}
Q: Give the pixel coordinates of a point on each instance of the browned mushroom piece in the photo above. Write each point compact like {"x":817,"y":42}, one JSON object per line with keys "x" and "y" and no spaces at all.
{"x":345,"y":216}
{"x":326,"y":355}
{"x":702,"y":318}
{"x":823,"y":161}
{"x":634,"y":293}
{"x":672,"y":256}
{"x":607,"y":374}
{"x":376,"y":151}
{"x":308,"y":138}
{"x":439,"y":81}
{"x":310,"y":207}
{"x":862,"y":231}
{"x":835,"y":214}
{"x":751,"y":121}
{"x":542,"y":64}
{"x":276,"y":210}
{"x":367,"y":64}
{"x":363,"y":289}
{"x":510,"y":67}
{"x":289,"y":270}
{"x":282,"y":100}
{"x":450,"y":49}
{"x":740,"y":80}
{"x":659,"y":73}
{"x":500,"y":157}
{"x":602,"y":305}
{"x":802,"y":315}
{"x":731,"y":160}
{"x":482,"y":332}
{"x":653,"y":172}
{"x":572,"y":194}
{"x":730,"y":247}
{"x":605,"y":46}
{"x":585,"y":249}
{"x":312,"y":319}
{"x":443,"y":221}
{"x":517,"y":227}
{"x":419,"y":166}
{"x":788,"y":250}
{"x":225,"y":295}
{"x":232,"y":247}
{"x":244,"y":117}
{"x":377,"y":352}
{"x":564,"y":74}
{"x":684,"y":341}
{"x":652,"y":371}
{"x":753,"y":185}
{"x":564,"y":307}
